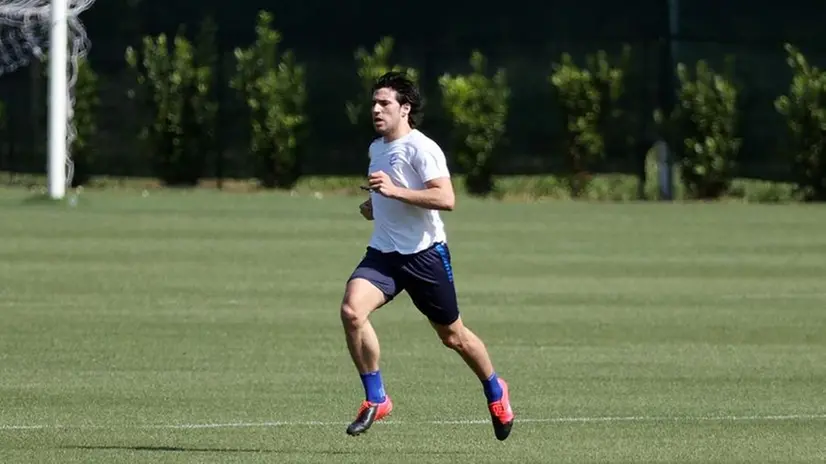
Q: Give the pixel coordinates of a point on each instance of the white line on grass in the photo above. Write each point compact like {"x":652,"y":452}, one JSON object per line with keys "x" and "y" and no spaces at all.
{"x":550,"y":420}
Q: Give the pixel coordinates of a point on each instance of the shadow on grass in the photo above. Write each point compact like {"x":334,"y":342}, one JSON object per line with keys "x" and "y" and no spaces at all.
{"x":183,"y":449}
{"x":43,"y":199}
{"x":38,"y":198}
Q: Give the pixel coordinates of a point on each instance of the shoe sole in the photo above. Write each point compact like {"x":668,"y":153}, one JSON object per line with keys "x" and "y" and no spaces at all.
{"x":502,"y":431}
{"x":357,"y":433}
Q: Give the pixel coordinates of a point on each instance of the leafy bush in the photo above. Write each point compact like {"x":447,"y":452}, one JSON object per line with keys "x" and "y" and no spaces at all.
{"x":601,"y":187}
{"x":4,"y":137}
{"x":761,"y":191}
{"x":702,"y":130}
{"x":370,"y":68}
{"x":478,"y":107}
{"x":175,"y":86}
{"x":83,"y":119}
{"x":275,"y":93}
{"x":805,"y":111}
{"x":594,"y":120}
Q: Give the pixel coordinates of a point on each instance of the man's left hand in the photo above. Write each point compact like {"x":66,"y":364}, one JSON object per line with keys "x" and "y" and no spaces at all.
{"x":381,"y":183}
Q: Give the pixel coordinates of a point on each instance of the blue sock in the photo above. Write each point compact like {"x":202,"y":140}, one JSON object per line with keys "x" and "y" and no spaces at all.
{"x":493,"y":391}
{"x":373,"y":387}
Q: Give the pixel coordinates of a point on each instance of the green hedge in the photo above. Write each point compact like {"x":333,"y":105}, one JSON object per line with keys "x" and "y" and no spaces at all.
{"x":176,"y":82}
{"x":174,"y":93}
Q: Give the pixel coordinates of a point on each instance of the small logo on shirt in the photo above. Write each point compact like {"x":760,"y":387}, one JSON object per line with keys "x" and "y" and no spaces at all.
{"x":394,"y":160}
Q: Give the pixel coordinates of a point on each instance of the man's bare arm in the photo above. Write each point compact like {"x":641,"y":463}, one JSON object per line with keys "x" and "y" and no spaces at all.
{"x":438,"y":194}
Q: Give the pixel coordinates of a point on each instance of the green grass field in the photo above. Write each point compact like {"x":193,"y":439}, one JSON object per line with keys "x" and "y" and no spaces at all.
{"x":203,"y":327}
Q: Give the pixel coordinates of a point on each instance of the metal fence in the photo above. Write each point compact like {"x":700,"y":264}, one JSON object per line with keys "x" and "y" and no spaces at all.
{"x":436,"y":37}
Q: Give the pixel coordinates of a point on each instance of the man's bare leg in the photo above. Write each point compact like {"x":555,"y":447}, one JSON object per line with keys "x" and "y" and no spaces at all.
{"x":361,"y":298}
{"x":470,"y":347}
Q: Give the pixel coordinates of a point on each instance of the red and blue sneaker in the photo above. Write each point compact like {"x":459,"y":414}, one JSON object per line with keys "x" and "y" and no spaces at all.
{"x":501,"y":413}
{"x":369,"y":413}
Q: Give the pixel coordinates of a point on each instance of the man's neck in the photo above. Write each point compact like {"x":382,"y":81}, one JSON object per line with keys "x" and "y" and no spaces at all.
{"x":397,"y":134}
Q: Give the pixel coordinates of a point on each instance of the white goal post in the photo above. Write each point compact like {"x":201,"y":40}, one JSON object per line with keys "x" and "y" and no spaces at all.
{"x":27,"y":27}
{"x":58,"y":99}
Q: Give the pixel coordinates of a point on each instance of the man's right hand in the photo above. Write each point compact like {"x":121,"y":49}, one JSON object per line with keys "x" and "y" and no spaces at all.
{"x":366,"y":209}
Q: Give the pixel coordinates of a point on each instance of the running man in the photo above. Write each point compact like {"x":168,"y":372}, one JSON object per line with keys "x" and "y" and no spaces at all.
{"x":409,"y":184}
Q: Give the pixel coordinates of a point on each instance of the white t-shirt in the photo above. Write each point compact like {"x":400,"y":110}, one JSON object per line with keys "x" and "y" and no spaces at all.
{"x":410,"y":162}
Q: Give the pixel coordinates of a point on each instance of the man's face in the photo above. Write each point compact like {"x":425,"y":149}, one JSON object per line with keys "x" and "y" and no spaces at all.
{"x":386,"y":111}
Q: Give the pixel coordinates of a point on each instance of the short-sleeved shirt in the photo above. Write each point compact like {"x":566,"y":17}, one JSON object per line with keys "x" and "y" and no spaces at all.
{"x":410,"y":161}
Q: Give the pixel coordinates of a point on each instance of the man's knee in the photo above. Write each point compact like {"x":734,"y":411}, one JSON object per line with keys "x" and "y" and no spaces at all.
{"x":360,"y":299}
{"x":454,"y":341}
{"x":351,"y":316}
{"x":454,"y":336}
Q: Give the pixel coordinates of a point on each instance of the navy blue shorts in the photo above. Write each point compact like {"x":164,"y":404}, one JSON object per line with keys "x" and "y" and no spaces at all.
{"x":427,"y":276}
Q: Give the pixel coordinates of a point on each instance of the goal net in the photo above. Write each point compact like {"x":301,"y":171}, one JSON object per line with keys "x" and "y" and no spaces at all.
{"x":51,"y":31}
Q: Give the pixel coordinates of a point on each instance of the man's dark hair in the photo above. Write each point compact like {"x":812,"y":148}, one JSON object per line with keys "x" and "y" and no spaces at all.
{"x":406,"y":93}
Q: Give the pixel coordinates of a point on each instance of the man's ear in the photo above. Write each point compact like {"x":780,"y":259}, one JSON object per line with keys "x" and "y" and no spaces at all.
{"x":405,"y":109}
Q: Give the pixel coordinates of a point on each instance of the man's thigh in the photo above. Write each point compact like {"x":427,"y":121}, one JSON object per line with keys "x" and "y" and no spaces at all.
{"x":428,"y":279}
{"x":380,"y":270}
